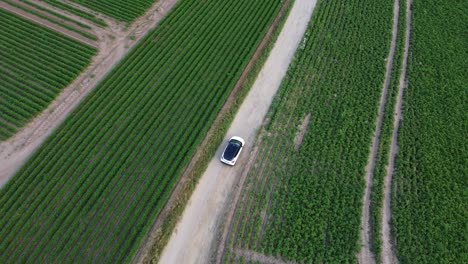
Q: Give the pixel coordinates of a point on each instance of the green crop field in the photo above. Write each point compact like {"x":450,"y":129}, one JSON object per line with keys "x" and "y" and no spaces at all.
{"x":36,"y":63}
{"x":31,"y":8}
{"x":302,"y":199}
{"x":94,"y":187}
{"x":123,"y":10}
{"x":429,"y":204}
{"x":76,"y":11}
{"x":56,"y":14}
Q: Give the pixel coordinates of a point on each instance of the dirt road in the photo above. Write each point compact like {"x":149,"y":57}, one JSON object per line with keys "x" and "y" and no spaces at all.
{"x":193,"y":237}
{"x":388,"y":253}
{"x":49,"y":24}
{"x":365,"y":256}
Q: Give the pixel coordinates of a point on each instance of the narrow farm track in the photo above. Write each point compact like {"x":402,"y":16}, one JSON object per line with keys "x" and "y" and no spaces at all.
{"x":193,"y":238}
{"x":114,"y":46}
{"x":49,"y":24}
{"x":365,"y":255}
{"x":388,"y":253}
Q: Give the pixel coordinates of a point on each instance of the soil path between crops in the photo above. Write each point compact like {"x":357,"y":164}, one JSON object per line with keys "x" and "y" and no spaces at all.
{"x":114,"y":44}
{"x":388,"y":252}
{"x":366,"y":256}
{"x":194,"y":235}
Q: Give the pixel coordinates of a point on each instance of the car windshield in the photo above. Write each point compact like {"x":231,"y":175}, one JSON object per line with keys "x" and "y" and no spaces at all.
{"x":232,"y":149}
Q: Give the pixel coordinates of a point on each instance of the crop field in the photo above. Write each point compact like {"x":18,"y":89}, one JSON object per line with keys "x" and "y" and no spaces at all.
{"x":429,"y":205}
{"x":94,"y":187}
{"x":53,"y":17}
{"x":303,"y":195}
{"x":76,"y":11}
{"x":123,"y":10}
{"x":35,"y":64}
{"x":56,"y":14}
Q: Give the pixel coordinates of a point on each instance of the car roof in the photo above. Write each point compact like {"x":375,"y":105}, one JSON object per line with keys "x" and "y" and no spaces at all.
{"x":232,"y":149}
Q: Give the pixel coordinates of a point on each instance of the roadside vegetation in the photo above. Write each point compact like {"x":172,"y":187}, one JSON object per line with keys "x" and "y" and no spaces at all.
{"x":303,"y":195}
{"x":93,"y":189}
{"x":36,"y":63}
{"x":429,"y":202}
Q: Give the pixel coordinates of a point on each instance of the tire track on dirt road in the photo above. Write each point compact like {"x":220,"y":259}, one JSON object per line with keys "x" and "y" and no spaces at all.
{"x":388,"y":252}
{"x":365,"y":255}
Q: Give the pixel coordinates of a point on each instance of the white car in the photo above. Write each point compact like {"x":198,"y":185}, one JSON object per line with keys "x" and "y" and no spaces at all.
{"x":232,"y":150}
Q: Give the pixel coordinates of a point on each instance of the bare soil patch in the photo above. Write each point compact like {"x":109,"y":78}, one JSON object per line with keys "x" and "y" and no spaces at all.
{"x":115,"y":42}
{"x":302,"y":129}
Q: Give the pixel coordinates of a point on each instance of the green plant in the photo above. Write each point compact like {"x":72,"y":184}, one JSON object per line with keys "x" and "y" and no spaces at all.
{"x":92,"y":190}
{"x":36,"y":64}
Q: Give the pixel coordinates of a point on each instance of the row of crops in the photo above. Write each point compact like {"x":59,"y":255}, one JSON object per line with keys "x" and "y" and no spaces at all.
{"x":122,"y":10}
{"x":429,"y":203}
{"x":302,"y":202}
{"x":76,"y":11}
{"x":91,"y":191}
{"x":56,"y":14}
{"x":35,"y":64}
{"x":53,"y":17}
